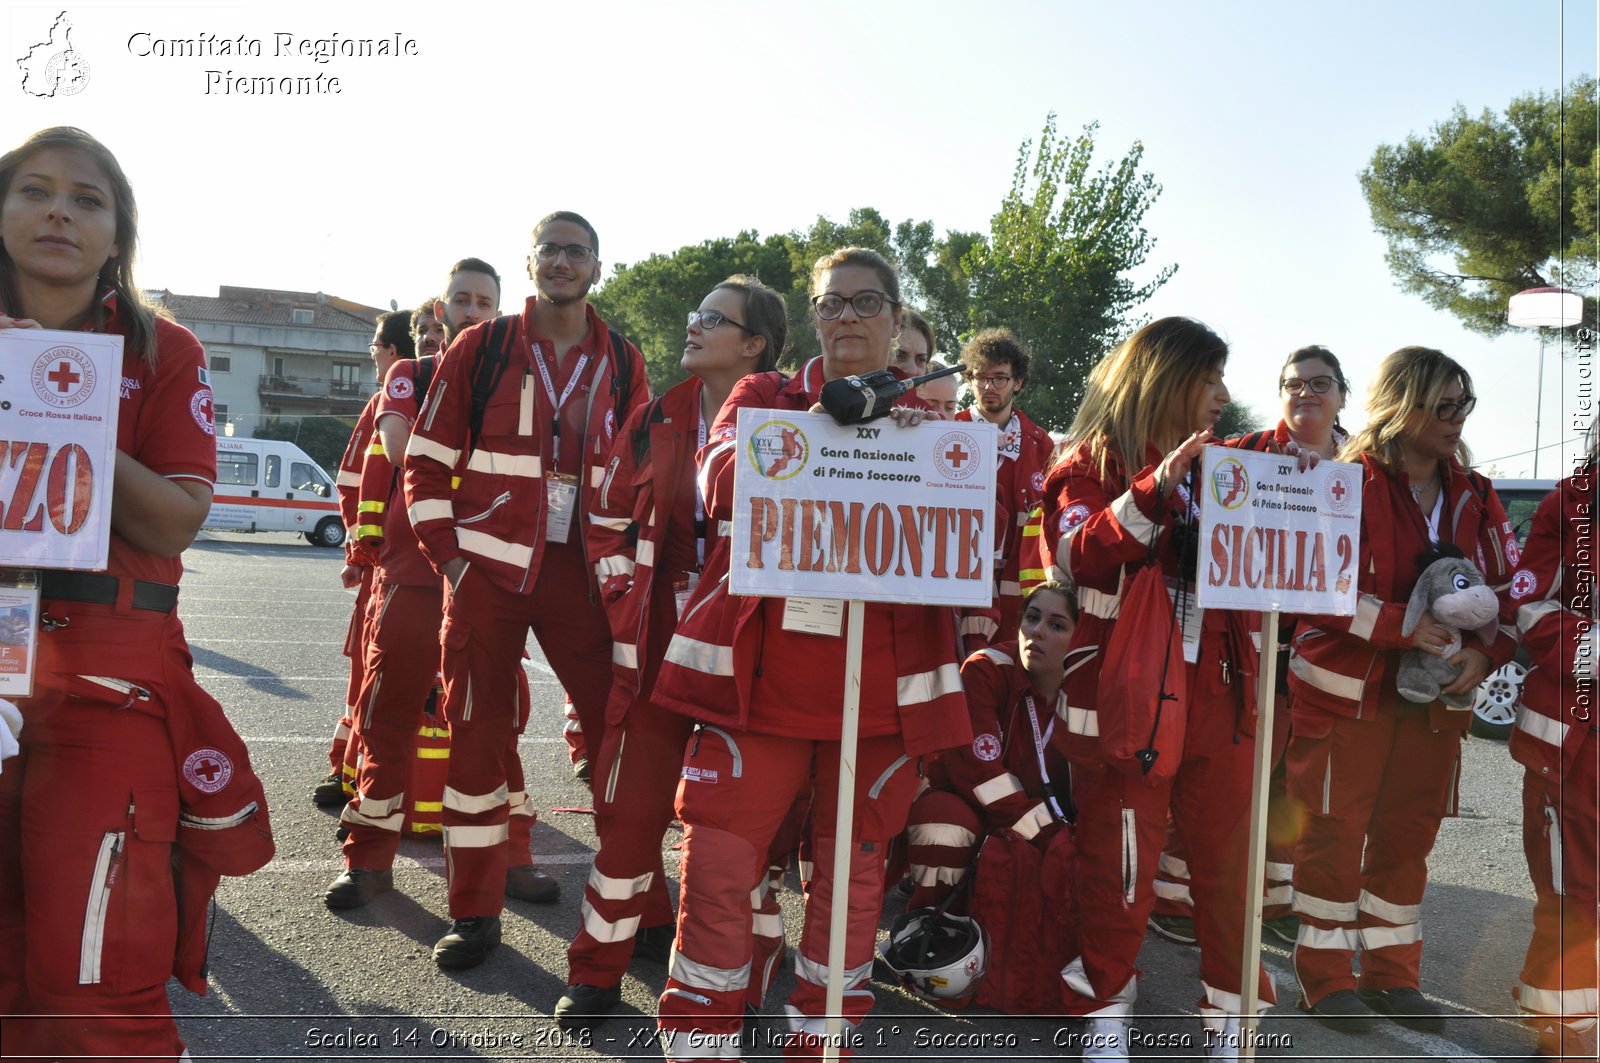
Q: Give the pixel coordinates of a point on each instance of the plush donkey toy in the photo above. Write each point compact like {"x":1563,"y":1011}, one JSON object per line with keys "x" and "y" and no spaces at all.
{"x":1453,"y":590}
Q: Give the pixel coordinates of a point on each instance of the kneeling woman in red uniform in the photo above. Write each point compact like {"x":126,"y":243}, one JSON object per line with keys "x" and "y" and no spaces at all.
{"x":768,"y":693}
{"x":649,"y":538}
{"x":127,"y":767}
{"x":1376,"y":773}
{"x":1558,"y":744}
{"x":1120,"y":498}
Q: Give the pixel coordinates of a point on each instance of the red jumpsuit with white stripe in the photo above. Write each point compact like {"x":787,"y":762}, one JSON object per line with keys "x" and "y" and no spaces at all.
{"x":547,"y":433}
{"x":765,"y":697}
{"x":646,"y":548}
{"x":1557,"y":742}
{"x":127,"y":768}
{"x":1024,"y":458}
{"x":341,"y":758}
{"x":996,"y":783}
{"x":1103,"y":525}
{"x":1376,"y":773}
{"x":1283,"y":818}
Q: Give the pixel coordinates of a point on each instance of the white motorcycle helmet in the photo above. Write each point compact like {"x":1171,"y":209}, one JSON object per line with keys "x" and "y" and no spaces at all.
{"x":936,"y":955}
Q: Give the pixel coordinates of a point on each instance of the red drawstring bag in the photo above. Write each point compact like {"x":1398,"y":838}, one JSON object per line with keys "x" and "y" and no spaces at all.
{"x":1143,"y":692}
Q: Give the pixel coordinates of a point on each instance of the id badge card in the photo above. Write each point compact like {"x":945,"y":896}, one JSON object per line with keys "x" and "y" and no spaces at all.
{"x":561,"y":502}
{"x":1192,"y":616}
{"x":19,"y":631}
{"x":813,"y":616}
{"x":683,"y":589}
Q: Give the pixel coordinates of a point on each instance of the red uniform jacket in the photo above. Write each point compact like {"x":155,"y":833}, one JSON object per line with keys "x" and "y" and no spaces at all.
{"x":1102,"y":529}
{"x":1345,"y":665}
{"x":711,"y":661}
{"x":496,"y":517}
{"x":1551,"y":599}
{"x":357,"y":551}
{"x":642,"y":533}
{"x":999,"y":773}
{"x":1019,"y":489}
{"x":384,"y":523}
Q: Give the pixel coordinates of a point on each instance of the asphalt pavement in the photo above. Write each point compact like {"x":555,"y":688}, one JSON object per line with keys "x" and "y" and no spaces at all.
{"x":291,"y":980}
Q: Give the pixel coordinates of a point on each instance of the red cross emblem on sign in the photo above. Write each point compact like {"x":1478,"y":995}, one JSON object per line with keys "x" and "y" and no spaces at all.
{"x":1338,"y":490}
{"x":956,"y":456}
{"x":208,"y":769}
{"x":63,"y":377}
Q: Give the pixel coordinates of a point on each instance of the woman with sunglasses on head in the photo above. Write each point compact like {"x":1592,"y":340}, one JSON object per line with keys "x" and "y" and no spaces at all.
{"x":1313,"y":389}
{"x":767,"y":693}
{"x":132,"y":793}
{"x":649,"y":539}
{"x":1122,"y":497}
{"x":1374,"y":772}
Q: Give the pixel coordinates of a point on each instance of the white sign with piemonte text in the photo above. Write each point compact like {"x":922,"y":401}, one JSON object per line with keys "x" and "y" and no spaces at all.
{"x":872,"y":512}
{"x":59,"y":396}
{"x":1275,"y":538}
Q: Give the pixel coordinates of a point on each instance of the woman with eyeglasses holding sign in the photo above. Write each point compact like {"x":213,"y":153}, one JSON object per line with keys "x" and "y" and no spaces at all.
{"x":132,"y":793}
{"x":1377,"y":773}
{"x":649,"y":538}
{"x":1313,"y":389}
{"x":765,"y":678}
{"x":1122,"y":498}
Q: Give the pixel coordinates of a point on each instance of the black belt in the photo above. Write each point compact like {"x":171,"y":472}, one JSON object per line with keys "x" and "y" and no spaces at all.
{"x":102,"y":590}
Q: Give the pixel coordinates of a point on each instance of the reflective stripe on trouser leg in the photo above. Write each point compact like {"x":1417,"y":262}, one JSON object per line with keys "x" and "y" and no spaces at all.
{"x":767,"y":932}
{"x":644,"y":754}
{"x":879,"y":816}
{"x":942,"y":836}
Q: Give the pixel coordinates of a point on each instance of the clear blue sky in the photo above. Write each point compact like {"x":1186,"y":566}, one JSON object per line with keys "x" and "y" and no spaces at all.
{"x":669,"y":124}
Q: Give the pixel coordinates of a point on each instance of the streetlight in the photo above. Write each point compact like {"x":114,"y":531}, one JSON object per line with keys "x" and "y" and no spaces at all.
{"x":1543,"y":308}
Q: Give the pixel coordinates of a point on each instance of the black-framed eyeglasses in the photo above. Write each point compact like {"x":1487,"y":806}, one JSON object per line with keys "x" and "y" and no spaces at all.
{"x":375,"y":346}
{"x":576,"y":254}
{"x":710,"y":319}
{"x":868,"y":303}
{"x":992,"y":383}
{"x":1319,"y":385}
{"x":1457,"y":410}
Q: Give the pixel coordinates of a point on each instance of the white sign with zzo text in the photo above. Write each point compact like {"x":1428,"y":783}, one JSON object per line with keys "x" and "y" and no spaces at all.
{"x":59,"y":397}
{"x":1275,"y":538}
{"x":871,"y":512}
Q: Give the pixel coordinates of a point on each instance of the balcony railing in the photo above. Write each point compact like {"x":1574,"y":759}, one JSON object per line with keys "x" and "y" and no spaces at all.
{"x":313,"y":389}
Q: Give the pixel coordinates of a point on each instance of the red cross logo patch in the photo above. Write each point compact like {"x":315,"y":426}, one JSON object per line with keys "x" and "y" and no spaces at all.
{"x":986,"y":747}
{"x":207,"y":770}
{"x":1523,"y":583}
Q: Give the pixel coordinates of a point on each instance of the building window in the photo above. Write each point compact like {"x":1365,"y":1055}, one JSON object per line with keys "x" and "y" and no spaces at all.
{"x":221,"y":363}
{"x":220,"y":413}
{"x":298,"y":316}
{"x":347,"y":378}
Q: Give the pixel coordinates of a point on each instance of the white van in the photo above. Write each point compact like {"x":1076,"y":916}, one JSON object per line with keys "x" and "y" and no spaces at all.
{"x":272,"y":485}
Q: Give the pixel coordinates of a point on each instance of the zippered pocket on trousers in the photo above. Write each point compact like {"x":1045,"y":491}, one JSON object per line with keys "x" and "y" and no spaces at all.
{"x":91,"y":950}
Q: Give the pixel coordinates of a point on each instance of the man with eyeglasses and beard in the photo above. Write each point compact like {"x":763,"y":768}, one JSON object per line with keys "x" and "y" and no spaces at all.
{"x":553,"y":384}
{"x":997,"y":365}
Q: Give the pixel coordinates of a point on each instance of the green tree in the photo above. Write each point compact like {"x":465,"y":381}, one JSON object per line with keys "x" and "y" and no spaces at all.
{"x":647,"y":300}
{"x":1484,"y":207}
{"x":1238,"y":419}
{"x":323,"y":436}
{"x":1055,"y":268}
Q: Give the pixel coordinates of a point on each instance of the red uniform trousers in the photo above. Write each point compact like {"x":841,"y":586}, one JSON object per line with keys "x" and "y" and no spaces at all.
{"x":943,"y":832}
{"x":401,"y":666}
{"x":738,"y":789}
{"x":484,"y":631}
{"x":1382,"y":783}
{"x":341,"y":758}
{"x":790,"y":845}
{"x":572,"y":731}
{"x":1283,"y":830}
{"x":1559,"y":831}
{"x":88,"y":908}
{"x":1121,"y":826}
{"x":635,"y":778}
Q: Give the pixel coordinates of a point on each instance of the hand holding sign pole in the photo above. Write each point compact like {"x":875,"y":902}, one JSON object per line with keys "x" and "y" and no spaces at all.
{"x":1273,"y":538}
{"x":860,"y":513}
